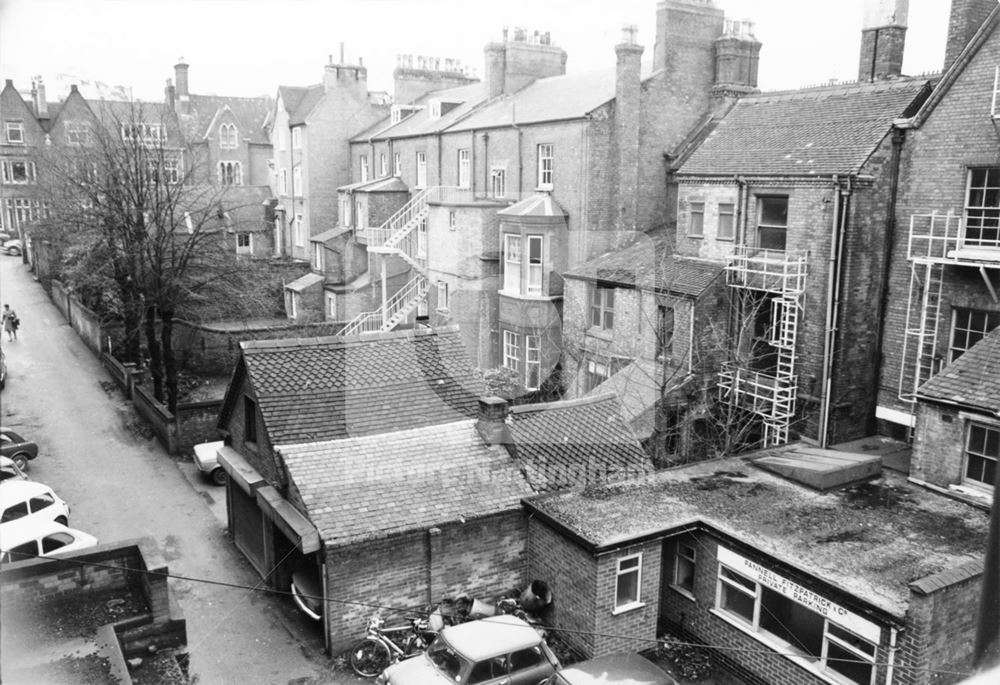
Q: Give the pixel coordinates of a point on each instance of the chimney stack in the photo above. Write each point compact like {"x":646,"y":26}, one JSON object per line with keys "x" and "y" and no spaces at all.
{"x":628,"y":86}
{"x":38,"y":98}
{"x":516,"y":63}
{"x":965,"y":19}
{"x":883,"y":36}
{"x":492,"y":421}
{"x":181,"y":79}
{"x":169,"y":93}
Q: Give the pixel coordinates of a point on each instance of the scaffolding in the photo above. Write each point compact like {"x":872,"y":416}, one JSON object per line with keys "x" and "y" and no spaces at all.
{"x":936,"y":241}
{"x":771,"y":396}
{"x":403,"y":235}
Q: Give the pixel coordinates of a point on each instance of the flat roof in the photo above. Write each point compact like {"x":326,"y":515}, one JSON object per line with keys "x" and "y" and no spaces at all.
{"x":870,"y":540}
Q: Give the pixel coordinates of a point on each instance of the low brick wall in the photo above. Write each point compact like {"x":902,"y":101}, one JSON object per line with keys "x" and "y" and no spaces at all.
{"x":197,"y":422}
{"x":161,"y":420}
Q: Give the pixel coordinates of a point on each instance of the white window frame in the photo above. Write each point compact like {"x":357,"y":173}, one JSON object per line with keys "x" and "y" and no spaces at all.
{"x":244,"y":249}
{"x":546,"y":166}
{"x":972,"y":331}
{"x":345,"y":211}
{"x":685,"y":559}
{"x":985,"y":214}
{"x":364,"y":168}
{"x":297,"y":138}
{"x":383,"y":165}
{"x":596,"y":369}
{"x":77,"y":133}
{"x":293,"y":304}
{"x":512,"y":256}
{"x":634,"y":562}
{"x":397,"y":164}
{"x":331,"y":306}
{"x":9,"y":128}
{"x":298,"y":232}
{"x":994,"y":112}
{"x":452,"y":220}
{"x":188,"y":223}
{"x":318,"y":257}
{"x":359,"y":215}
{"x":535,"y":265}
{"x":532,"y":362}
{"x":230,"y":173}
{"x":421,"y":170}
{"x":171,"y":170}
{"x":498,"y":182}
{"x":600,"y":308}
{"x":8,"y":172}
{"x":228,"y":137}
{"x":511,"y":350}
{"x":283,"y":182}
{"x":442,"y":296}
{"x":726,"y":209}
{"x":464,"y":167}
{"x":696,"y":228}
{"x":297,"y":181}
{"x":979,"y":451}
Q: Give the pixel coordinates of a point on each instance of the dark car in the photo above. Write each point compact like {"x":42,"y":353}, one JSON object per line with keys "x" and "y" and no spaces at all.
{"x":16,"y":448}
{"x":621,"y":669}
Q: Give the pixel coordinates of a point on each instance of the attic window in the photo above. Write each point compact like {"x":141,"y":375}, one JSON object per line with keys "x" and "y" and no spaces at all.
{"x":400,"y":112}
{"x":438,"y":108}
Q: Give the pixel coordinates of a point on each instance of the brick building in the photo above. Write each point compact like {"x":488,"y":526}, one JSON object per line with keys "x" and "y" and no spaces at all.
{"x":21,"y":142}
{"x":372,"y":466}
{"x":518,"y":179}
{"x":945,"y":257}
{"x":309,"y":128}
{"x":781,"y":583}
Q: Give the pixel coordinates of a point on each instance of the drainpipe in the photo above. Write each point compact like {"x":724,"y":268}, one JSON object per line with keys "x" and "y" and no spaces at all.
{"x":834,"y":267}
{"x":898,"y":138}
{"x":520,"y":165}
{"x":486,"y":164}
{"x":472,"y":164}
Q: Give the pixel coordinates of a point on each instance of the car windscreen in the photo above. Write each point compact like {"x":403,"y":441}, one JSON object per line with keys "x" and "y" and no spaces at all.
{"x":446,"y":659}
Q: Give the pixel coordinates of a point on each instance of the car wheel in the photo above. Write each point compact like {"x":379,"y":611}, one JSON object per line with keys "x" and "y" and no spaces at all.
{"x":63,"y":520}
{"x":14,"y":251}
{"x":21,"y":459}
{"x":369,"y":657}
{"x":219,"y":476}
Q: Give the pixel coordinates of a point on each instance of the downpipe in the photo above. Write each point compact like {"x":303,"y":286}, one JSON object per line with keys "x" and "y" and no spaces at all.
{"x":838,"y":227}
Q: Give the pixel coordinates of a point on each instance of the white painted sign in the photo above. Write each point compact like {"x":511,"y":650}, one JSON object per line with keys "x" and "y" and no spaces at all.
{"x":821,"y":605}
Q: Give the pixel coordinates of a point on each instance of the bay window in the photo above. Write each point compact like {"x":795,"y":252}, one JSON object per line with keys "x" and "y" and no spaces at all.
{"x":512,"y":263}
{"x":523,"y":276}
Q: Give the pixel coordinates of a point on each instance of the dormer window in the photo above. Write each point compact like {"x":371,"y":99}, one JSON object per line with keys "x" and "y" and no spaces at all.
{"x":438,"y":108}
{"x":400,"y":112}
{"x":228,"y":138}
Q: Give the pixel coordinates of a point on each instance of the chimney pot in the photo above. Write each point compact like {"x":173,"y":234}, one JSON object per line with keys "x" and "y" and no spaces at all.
{"x":492,"y":421}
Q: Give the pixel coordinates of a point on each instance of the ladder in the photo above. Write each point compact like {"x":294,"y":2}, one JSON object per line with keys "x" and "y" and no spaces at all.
{"x":920,"y":361}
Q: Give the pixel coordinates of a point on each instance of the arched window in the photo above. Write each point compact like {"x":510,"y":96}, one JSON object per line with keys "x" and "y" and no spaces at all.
{"x":230,"y":174}
{"x":228,"y":138}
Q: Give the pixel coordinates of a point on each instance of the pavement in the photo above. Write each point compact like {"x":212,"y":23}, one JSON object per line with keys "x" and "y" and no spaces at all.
{"x":122,"y":485}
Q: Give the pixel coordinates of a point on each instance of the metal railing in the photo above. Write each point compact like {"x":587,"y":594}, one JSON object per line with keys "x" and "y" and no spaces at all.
{"x":948,"y":238}
{"x":776,"y":271}
{"x":387,"y":316}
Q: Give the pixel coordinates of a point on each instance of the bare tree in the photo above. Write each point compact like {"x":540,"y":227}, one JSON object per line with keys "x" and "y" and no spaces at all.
{"x":128,"y":210}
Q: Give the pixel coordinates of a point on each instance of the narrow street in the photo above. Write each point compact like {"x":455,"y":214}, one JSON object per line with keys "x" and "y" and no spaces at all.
{"x":121,"y":485}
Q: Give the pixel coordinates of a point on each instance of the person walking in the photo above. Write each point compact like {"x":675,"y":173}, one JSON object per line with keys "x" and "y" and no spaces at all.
{"x":10,"y":322}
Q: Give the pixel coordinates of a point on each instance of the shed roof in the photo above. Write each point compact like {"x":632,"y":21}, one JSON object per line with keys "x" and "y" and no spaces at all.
{"x":334,"y":387}
{"x":575,"y":442}
{"x":870,"y":540}
{"x":972,"y":380}
{"x":378,"y":485}
{"x":826,"y":130}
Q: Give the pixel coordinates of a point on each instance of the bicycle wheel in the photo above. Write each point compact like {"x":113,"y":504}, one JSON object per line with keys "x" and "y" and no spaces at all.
{"x":369,"y":657}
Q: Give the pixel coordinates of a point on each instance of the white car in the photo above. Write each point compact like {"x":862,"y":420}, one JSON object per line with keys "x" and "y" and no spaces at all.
{"x":9,"y":470}
{"x":28,"y":539}
{"x":206,"y":458}
{"x":25,"y":500}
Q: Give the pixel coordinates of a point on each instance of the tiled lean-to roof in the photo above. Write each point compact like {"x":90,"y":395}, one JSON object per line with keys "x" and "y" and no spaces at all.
{"x":973,"y":380}
{"x":335,"y":387}
{"x":575,"y":443}
{"x":380,"y":485}
{"x":827,"y":130}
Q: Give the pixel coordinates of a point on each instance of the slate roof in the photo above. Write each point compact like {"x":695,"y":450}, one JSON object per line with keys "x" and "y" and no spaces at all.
{"x":648,"y":264}
{"x":556,"y":98}
{"x":334,"y":387}
{"x":972,"y":380}
{"x":871,"y":541}
{"x":370,"y":487}
{"x":420,"y":123}
{"x":826,"y":130}
{"x":575,"y":442}
{"x":250,"y":113}
{"x":638,"y":388}
{"x":304,"y":281}
{"x":299,"y":101}
{"x":538,"y":204}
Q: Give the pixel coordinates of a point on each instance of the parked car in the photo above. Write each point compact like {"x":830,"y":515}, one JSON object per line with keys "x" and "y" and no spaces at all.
{"x":30,"y":539}
{"x":27,"y":499}
{"x":621,"y":669}
{"x":10,"y":471}
{"x":206,"y":458}
{"x":3,"y":369}
{"x":490,"y":651}
{"x":13,"y":247}
{"x":4,"y":237}
{"x":14,"y":447}
{"x":307,"y":591}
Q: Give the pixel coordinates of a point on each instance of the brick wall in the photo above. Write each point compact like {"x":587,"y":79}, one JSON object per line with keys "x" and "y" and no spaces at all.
{"x":634,"y":629}
{"x":939,"y":445}
{"x":958,"y":133}
{"x":479,"y":558}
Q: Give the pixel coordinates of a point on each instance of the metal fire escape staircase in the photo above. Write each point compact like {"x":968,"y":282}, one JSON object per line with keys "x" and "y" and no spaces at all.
{"x":772,"y":397}
{"x":400,"y":235}
{"x":935,"y":241}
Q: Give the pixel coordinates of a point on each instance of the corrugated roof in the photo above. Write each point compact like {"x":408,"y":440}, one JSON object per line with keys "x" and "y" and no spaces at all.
{"x":828,"y":130}
{"x":375,"y":486}
{"x":872,"y":541}
{"x":576,"y":442}
{"x":336,"y":387}
{"x":647,"y":264}
{"x":972,"y":380}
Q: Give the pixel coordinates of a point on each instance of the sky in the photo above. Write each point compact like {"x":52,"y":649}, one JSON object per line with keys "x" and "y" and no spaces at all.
{"x":249,"y":47}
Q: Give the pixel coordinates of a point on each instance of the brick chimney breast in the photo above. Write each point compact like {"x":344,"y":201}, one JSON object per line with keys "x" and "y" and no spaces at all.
{"x":181,"y":79}
{"x":883,"y":38}
{"x":964,"y":20}
{"x":491,"y":422}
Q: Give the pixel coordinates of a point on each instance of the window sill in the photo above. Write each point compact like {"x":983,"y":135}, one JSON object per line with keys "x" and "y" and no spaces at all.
{"x":627,"y":608}
{"x":687,"y":594}
{"x":723,"y":239}
{"x":696,"y":237}
{"x":601,"y":333}
{"x":544,"y":189}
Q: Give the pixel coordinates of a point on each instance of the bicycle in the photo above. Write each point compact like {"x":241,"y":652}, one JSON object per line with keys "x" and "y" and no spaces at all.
{"x":379,"y":648}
